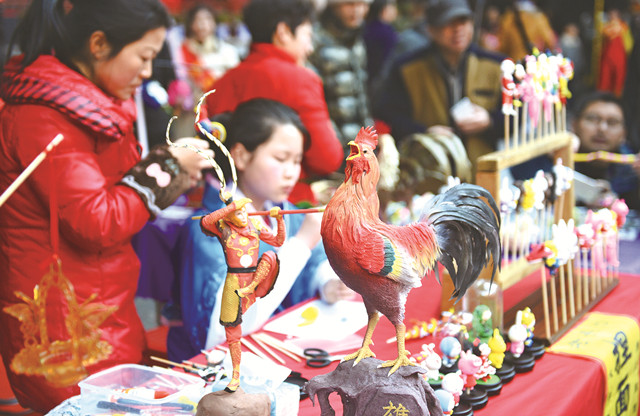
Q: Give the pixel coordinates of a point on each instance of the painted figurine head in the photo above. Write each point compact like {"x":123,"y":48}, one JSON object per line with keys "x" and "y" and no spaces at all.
{"x":453,"y":383}
{"x":469,"y":363}
{"x":239,"y":216}
{"x":447,"y":401}
{"x":450,"y":347}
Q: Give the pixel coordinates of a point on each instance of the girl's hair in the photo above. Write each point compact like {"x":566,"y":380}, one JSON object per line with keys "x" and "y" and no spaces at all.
{"x":253,"y":123}
{"x":191,"y":16}
{"x":63,"y":27}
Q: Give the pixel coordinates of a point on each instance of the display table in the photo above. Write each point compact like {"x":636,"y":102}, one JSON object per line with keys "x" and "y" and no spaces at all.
{"x":558,"y":385}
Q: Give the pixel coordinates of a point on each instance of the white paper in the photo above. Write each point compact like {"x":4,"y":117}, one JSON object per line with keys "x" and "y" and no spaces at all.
{"x":318,"y":319}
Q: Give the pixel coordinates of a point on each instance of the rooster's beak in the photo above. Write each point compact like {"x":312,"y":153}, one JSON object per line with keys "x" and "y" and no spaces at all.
{"x":355,"y":150}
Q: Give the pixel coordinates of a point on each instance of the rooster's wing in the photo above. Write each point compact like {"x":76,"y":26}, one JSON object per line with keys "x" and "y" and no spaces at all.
{"x":390,"y":254}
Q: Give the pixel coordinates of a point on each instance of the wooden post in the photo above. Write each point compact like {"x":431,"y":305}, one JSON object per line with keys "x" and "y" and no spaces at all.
{"x":545,"y":302}
{"x":563,"y":294}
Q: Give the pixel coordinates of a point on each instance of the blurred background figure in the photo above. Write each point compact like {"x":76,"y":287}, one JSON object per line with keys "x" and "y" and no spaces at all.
{"x":488,"y":36}
{"x":235,"y":33}
{"x":617,"y":43}
{"x":206,"y":57}
{"x":281,"y":32}
{"x":451,"y":86}
{"x":524,"y":27}
{"x":380,"y":37}
{"x":340,"y":58}
{"x":599,"y":124}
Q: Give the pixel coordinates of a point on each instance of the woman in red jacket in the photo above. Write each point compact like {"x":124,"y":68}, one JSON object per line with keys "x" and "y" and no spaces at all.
{"x":80,"y":65}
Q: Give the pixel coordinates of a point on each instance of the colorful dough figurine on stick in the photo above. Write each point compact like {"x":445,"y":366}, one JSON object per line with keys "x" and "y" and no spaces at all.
{"x":383,"y":262}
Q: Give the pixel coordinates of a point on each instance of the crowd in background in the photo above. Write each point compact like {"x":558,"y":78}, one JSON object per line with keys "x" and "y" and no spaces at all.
{"x":600,"y":44}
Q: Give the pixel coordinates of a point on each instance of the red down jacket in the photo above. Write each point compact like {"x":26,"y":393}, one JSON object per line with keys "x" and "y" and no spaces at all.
{"x":97,"y":216}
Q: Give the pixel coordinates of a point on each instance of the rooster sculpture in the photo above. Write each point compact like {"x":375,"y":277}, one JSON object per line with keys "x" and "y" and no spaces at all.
{"x":383,"y":262}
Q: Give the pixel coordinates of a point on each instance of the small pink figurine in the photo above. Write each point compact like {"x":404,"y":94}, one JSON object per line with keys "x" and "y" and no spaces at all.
{"x":469,"y":364}
{"x":486,"y":370}
{"x":621,"y":209}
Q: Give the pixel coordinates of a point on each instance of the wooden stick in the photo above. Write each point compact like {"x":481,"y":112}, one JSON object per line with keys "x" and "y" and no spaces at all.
{"x":276,"y":343}
{"x":523,"y":133}
{"x":545,"y":302}
{"x":254,"y":349}
{"x":172,"y":363}
{"x":576,"y":265}
{"x":267,"y":349}
{"x":585,"y":275}
{"x":554,"y":303}
{"x":572,"y":305}
{"x":506,"y":132}
{"x":507,"y":230}
{"x":563,"y":295}
{"x":282,"y":212}
{"x":599,"y":270}
{"x":29,"y":169}
{"x":593,"y":274}
{"x":515,"y":128}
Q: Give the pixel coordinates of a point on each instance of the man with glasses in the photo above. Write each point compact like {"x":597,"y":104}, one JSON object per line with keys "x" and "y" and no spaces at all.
{"x":600,"y":125}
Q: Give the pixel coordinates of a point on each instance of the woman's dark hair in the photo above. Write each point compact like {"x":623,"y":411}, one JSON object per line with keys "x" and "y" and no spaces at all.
{"x":262,"y":16}
{"x":253,"y":123}
{"x":48,"y":27}
{"x":191,"y":16}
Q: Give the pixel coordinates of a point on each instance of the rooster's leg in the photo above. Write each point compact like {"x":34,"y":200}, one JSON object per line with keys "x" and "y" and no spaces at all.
{"x":365,"y":351}
{"x":402,"y":359}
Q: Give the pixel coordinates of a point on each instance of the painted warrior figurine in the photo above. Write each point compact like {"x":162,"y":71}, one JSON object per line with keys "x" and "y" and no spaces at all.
{"x":248,"y":277}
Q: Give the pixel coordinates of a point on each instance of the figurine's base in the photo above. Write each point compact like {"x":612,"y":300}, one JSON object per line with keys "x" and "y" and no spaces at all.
{"x":221,"y":403}
{"x":523,"y":364}
{"x":444,"y":369}
{"x":462,"y":409}
{"x":435,"y":384}
{"x":506,"y":372}
{"x":536,"y":349}
{"x":476,"y":398}
{"x":365,"y":389}
{"x":492,"y":386}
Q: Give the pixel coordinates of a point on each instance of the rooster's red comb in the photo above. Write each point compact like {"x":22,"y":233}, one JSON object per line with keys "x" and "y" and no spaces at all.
{"x":367,"y":136}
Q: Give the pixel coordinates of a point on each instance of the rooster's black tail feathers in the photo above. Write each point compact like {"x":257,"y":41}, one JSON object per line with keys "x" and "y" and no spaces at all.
{"x":467,"y":230}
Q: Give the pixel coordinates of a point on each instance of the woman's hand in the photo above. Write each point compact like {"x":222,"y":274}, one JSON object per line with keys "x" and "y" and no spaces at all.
{"x":193,"y":163}
{"x":334,"y":290}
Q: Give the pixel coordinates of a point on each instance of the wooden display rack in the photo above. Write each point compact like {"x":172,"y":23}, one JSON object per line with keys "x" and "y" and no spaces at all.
{"x":562,"y":299}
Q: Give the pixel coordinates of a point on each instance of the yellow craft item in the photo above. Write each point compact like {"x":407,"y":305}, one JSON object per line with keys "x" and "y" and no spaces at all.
{"x":309,"y":315}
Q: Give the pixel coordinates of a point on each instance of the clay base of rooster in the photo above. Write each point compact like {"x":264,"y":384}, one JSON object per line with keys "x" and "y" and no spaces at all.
{"x":221,"y":403}
{"x":366,"y":390}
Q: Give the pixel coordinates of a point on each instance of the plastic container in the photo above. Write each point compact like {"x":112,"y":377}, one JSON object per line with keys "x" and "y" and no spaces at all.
{"x":137,"y":389}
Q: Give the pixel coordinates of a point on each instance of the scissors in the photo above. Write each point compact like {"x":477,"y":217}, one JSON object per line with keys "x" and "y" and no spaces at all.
{"x":319,"y":358}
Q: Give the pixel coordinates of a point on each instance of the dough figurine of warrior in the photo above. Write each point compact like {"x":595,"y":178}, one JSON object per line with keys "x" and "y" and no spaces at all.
{"x":248,"y":277}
